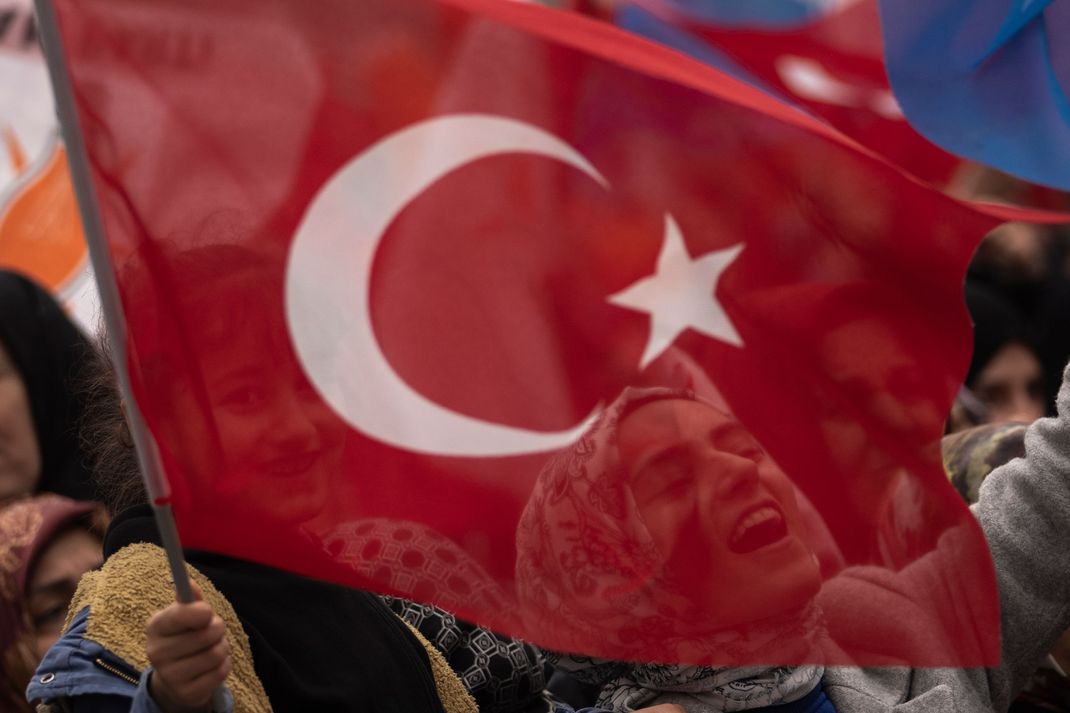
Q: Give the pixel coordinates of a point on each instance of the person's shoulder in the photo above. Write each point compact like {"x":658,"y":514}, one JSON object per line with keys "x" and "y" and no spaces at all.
{"x":134,"y":583}
{"x":77,"y":666}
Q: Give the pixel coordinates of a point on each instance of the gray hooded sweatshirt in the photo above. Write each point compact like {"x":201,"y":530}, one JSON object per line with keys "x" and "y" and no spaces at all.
{"x":1024,"y":510}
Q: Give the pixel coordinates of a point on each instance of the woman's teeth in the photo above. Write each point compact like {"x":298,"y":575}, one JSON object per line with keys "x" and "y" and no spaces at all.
{"x":756,"y":529}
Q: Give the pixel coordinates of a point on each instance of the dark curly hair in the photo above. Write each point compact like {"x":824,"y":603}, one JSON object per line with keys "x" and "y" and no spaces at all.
{"x":106,"y":436}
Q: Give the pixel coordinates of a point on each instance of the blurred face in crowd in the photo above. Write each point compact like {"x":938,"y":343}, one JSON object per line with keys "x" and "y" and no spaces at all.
{"x":877,"y":420}
{"x":277,"y":445}
{"x":276,"y":432}
{"x":1011,"y":385}
{"x":20,"y":457}
{"x":723,"y":514}
{"x":52,"y":583}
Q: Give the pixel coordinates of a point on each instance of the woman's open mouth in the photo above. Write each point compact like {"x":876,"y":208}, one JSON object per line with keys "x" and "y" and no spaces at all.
{"x":758,"y":527}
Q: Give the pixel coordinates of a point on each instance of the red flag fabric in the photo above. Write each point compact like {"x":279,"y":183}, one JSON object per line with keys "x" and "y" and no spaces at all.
{"x":493,"y":306}
{"x":834,"y":67}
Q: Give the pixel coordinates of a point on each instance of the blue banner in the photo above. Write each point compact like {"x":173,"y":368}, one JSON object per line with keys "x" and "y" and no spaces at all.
{"x":988,"y":80}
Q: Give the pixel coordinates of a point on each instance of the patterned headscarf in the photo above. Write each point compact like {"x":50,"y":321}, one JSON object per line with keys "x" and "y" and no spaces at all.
{"x":504,"y":675}
{"x":589,"y":568}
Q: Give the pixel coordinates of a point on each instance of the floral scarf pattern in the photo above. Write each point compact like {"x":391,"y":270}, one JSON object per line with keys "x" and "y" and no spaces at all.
{"x":588,"y":565}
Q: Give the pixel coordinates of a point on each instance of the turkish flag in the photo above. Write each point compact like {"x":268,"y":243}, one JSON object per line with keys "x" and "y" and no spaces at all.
{"x":832,"y":65}
{"x":494,"y":306}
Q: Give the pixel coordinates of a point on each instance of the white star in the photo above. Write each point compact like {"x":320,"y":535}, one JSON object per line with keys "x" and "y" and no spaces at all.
{"x":680,"y":294}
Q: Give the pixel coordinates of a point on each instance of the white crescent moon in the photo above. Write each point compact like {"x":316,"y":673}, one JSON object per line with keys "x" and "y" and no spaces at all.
{"x":328,"y":283}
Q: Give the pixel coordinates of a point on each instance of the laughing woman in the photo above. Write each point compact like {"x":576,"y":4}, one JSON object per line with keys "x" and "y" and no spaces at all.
{"x":606,"y":550}
{"x":661,"y":469}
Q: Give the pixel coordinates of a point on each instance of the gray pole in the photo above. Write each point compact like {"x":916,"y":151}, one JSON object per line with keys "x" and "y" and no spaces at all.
{"x":148,"y":457}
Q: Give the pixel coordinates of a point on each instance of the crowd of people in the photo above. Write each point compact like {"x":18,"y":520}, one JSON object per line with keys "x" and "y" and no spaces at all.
{"x":89,"y":622}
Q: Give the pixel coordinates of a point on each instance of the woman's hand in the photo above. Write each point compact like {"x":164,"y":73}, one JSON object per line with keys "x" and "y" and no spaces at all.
{"x":188,"y":649}
{"x":663,"y":708}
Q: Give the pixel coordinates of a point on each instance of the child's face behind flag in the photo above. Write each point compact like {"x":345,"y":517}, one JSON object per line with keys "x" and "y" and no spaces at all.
{"x":264,"y":439}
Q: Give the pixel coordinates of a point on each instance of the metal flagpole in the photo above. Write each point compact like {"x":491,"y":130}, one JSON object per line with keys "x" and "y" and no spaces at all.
{"x":148,"y":457}
{"x":159,"y":491}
